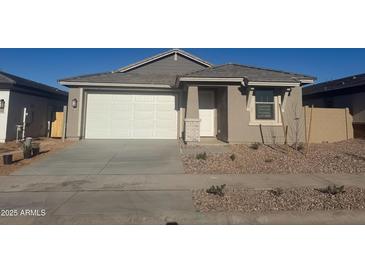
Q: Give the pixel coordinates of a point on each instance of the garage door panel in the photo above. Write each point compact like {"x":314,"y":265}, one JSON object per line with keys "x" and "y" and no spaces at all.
{"x":166,"y":115}
{"x":143,"y":107}
{"x":144,"y":98}
{"x":142,"y":124}
{"x":131,"y":116}
{"x":126,"y":98}
{"x":122,"y":107}
{"x":164,"y":107}
{"x":165,"y":99}
{"x":146,"y":115}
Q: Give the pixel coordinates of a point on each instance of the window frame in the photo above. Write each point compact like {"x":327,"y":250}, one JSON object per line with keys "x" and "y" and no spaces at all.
{"x":266,"y":122}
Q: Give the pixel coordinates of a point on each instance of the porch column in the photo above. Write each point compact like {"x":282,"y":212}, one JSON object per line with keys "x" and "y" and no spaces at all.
{"x":192,"y":121}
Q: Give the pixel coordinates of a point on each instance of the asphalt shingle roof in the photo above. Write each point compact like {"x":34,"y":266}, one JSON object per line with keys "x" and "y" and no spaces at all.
{"x":250,"y":73}
{"x":125,"y":78}
{"x":10,"y":79}
{"x":229,"y":71}
{"x":342,"y":83}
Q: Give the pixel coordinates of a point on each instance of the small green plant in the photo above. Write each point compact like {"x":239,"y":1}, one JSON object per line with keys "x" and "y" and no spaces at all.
{"x":277,"y":191}
{"x":332,"y":189}
{"x":268,"y":160}
{"x":217,"y":190}
{"x":201,"y":156}
{"x":232,"y":157}
{"x":255,"y":146}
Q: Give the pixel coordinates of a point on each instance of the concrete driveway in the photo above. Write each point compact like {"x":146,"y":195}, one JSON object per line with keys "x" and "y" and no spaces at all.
{"x":110,"y":157}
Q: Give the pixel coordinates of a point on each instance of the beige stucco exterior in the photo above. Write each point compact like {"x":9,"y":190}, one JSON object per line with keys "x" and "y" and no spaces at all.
{"x":73,"y":128}
{"x":240,"y":130}
{"x":232,"y":119}
{"x":328,"y":124}
{"x":353,"y":101}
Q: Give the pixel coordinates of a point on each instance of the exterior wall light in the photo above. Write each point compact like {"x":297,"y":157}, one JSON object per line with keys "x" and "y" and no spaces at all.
{"x":74,"y":103}
{"x":2,"y":104}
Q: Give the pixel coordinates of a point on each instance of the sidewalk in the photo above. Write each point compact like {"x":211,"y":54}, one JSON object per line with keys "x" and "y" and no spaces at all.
{"x":171,"y":182}
{"x":154,"y":199}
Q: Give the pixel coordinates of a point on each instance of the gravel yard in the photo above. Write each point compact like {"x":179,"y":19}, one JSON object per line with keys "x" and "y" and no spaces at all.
{"x":341,"y":157}
{"x":295,"y":199}
{"x":47,"y":145}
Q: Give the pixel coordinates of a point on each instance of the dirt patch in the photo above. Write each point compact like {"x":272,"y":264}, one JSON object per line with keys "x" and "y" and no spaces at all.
{"x":340,"y":157}
{"x":295,"y":199}
{"x":47,"y":146}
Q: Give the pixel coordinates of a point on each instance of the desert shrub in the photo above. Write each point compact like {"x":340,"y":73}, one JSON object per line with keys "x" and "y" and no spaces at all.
{"x":27,"y":150}
{"x":232,"y":157}
{"x":255,"y":146}
{"x":216,"y":190}
{"x":332,"y":189}
{"x":277,"y":191}
{"x":300,"y":146}
{"x":201,"y":156}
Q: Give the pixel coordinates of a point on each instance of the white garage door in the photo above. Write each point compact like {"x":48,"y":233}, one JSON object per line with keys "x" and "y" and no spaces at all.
{"x":130,"y":116}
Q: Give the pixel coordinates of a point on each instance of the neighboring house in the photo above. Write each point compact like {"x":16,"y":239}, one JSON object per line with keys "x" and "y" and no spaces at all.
{"x":40,"y":101}
{"x":177,"y":95}
{"x":348,"y":92}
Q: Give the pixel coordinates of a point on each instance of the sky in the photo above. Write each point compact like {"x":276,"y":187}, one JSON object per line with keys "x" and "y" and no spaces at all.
{"x":49,"y":65}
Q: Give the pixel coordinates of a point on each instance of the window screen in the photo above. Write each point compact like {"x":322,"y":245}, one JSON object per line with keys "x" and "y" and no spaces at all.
{"x":265,"y":105}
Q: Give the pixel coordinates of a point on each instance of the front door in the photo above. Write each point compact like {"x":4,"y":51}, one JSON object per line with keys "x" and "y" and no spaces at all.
{"x":207,"y":113}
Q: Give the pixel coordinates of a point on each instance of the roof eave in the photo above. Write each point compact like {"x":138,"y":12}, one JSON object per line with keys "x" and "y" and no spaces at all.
{"x":162,"y":55}
{"x":241,"y":80}
{"x":100,"y":84}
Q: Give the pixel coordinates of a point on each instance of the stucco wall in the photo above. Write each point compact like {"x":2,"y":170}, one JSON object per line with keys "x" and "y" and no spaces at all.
{"x":222,"y":114}
{"x":239,"y":130}
{"x":4,"y":94}
{"x":328,"y":124}
{"x":39,"y":113}
{"x":182,"y":113}
{"x":355,"y":102}
{"x":74,"y":114}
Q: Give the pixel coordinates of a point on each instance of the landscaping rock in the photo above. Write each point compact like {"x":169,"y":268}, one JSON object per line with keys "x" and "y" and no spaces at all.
{"x":296,"y":199}
{"x":340,"y":157}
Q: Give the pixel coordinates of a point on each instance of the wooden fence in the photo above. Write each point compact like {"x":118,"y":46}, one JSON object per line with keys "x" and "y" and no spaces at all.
{"x":57,"y":125}
{"x":328,"y":124}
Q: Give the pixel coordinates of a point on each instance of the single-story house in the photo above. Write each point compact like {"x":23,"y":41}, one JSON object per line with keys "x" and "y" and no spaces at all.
{"x":23,"y":100}
{"x":348,"y":92}
{"x":176,"y":95}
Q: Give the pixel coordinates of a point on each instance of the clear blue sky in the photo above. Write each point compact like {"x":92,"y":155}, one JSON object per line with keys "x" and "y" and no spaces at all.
{"x":49,"y":65}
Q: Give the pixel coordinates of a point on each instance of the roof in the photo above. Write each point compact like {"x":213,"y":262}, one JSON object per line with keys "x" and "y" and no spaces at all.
{"x":124,"y":78}
{"x":250,"y":73}
{"x":126,"y":75}
{"x":335,"y":85}
{"x":13,"y":80}
{"x":162,"y":55}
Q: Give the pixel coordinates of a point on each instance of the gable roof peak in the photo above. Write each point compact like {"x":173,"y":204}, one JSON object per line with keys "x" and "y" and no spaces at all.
{"x":162,"y":55}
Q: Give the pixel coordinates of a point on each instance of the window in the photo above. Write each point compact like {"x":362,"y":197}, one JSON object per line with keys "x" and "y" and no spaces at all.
{"x":265,"y":105}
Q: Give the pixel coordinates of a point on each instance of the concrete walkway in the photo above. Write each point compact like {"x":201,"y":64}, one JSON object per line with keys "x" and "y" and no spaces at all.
{"x":153,"y":199}
{"x":110,"y":157}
